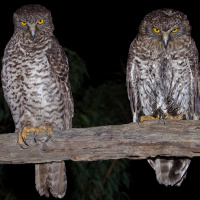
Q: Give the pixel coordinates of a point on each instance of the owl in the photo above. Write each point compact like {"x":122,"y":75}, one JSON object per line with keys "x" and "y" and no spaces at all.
{"x":163,"y":80}
{"x":36,"y":87}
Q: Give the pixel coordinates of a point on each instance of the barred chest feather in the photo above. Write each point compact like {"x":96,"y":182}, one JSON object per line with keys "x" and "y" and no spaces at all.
{"x":164,"y":83}
{"x":32,"y":90}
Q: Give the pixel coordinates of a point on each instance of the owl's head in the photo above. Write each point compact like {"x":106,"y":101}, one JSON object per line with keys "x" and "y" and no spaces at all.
{"x":33,"y":19}
{"x":166,"y":26}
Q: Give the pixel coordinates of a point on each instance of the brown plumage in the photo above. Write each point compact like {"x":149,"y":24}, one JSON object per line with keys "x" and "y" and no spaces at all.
{"x":163,"y":80}
{"x":37,"y":89}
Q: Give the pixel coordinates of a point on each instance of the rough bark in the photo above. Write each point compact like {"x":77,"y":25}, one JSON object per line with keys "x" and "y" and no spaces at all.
{"x":132,"y":141}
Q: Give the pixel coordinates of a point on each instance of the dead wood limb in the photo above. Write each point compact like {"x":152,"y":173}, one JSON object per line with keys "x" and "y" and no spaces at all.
{"x":132,"y":141}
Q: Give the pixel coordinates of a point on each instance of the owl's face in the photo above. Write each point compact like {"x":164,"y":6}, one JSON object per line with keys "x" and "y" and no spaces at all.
{"x":165,"y":26}
{"x":33,"y":20}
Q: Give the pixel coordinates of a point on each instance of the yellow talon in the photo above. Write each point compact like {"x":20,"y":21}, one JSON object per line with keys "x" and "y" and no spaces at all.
{"x":166,"y":116}
{"x":176,"y":117}
{"x":148,"y":117}
{"x":22,"y":135}
{"x":44,"y":127}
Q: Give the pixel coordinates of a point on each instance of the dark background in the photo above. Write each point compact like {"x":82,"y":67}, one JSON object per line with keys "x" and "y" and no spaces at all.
{"x":101,"y":32}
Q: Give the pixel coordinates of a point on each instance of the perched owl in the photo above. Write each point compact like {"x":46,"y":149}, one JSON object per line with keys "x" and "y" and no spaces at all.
{"x":163,"y":80}
{"x":36,"y":87}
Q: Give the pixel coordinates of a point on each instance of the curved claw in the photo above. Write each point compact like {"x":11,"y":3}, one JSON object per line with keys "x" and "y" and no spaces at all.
{"x":138,"y":120}
{"x":164,"y":118}
{"x":22,"y":134}
{"x":183,"y":117}
{"x":23,"y":147}
{"x":44,"y":127}
{"x":24,"y":140}
{"x":48,"y":137}
{"x":35,"y":137}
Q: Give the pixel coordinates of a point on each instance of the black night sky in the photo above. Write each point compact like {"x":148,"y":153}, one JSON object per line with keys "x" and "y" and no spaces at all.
{"x":101,"y":32}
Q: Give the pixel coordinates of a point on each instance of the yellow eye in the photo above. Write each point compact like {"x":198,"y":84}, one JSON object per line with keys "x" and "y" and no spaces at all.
{"x":175,"y":30}
{"x":156,"y":30}
{"x":23,"y":23}
{"x":41,"y":21}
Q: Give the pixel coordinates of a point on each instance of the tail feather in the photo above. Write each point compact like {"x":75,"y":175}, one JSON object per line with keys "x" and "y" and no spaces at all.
{"x":170,"y":171}
{"x":51,"y":177}
{"x":57,"y":179}
{"x":41,"y":175}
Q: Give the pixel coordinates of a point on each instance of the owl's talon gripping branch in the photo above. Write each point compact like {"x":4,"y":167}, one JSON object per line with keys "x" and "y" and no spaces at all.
{"x":22,"y":135}
{"x":148,"y":117}
{"x":48,"y":137}
{"x":35,"y":135}
{"x":44,"y":127}
{"x":24,"y":140}
{"x":164,"y":117}
{"x":176,"y":117}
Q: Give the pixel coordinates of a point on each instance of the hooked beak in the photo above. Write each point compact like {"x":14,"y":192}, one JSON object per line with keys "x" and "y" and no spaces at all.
{"x":165,"y":38}
{"x":32,"y":30}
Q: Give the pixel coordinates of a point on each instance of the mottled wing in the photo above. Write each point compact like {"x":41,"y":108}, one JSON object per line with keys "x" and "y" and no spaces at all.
{"x":10,"y":74}
{"x":5,"y":79}
{"x":131,"y":83}
{"x":195,"y":68}
{"x":58,"y":63}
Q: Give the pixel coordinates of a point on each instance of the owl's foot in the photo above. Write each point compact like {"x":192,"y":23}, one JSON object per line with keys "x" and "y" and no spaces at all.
{"x":148,"y":117}
{"x":44,"y":127}
{"x":23,"y":134}
{"x":162,"y":116}
{"x":176,"y":117}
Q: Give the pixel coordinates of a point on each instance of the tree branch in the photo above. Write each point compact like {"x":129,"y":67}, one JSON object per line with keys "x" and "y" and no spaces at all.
{"x":149,"y":139}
